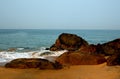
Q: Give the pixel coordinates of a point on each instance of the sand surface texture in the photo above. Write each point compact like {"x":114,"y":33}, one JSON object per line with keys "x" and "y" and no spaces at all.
{"x":73,"y":72}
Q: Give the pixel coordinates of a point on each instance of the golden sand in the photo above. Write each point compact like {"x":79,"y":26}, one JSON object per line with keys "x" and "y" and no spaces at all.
{"x":73,"y":72}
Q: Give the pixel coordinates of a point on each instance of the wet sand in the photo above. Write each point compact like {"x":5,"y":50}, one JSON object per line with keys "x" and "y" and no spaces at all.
{"x":73,"y":72}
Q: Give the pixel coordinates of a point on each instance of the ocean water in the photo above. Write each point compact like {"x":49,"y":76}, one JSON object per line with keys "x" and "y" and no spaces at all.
{"x":31,"y":43}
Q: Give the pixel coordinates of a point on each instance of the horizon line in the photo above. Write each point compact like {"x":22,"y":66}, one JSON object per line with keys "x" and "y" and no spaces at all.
{"x":50,"y":29}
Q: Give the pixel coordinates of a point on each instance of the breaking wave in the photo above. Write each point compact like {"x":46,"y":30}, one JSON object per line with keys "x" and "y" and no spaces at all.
{"x":7,"y":56}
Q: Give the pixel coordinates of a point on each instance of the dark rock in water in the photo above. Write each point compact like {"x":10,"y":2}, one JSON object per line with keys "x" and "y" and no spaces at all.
{"x":12,"y":49}
{"x":76,"y":58}
{"x":110,"y":48}
{"x":68,"y":42}
{"x":114,"y":59}
{"x":24,"y":63}
{"x":47,"y":48}
{"x":46,"y":53}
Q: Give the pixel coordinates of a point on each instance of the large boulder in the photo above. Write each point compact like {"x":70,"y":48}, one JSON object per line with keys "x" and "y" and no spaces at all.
{"x":76,"y":58}
{"x":68,"y":42}
{"x":110,"y":48}
{"x":24,"y":63}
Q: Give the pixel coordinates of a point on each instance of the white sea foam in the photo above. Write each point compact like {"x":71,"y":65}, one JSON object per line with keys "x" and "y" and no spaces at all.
{"x":6,"y":56}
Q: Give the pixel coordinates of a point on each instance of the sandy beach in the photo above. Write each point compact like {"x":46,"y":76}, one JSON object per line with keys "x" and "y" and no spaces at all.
{"x":73,"y":72}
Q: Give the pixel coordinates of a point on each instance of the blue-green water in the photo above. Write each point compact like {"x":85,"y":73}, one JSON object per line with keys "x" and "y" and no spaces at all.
{"x":36,"y":38}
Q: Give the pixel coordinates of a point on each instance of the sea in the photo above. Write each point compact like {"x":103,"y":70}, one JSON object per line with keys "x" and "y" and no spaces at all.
{"x":34,"y":43}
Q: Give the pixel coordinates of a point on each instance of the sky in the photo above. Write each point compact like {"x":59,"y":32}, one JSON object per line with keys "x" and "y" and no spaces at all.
{"x":60,"y":14}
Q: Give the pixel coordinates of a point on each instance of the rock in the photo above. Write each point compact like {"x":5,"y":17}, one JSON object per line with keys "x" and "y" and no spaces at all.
{"x":24,"y":63}
{"x":12,"y":49}
{"x":67,"y":41}
{"x":107,"y":49}
{"x":47,"y":48}
{"x":114,"y":59}
{"x":76,"y":58}
{"x":110,"y":48}
{"x":91,"y":49}
{"x":46,"y":53}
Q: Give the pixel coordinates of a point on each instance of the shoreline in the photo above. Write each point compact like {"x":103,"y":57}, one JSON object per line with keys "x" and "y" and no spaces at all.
{"x":73,"y":72}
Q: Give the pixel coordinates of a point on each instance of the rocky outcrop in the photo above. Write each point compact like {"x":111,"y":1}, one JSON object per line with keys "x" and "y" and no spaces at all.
{"x":114,"y":59}
{"x":24,"y":63}
{"x":69,"y":42}
{"x":83,"y":53}
{"x":107,"y":49}
{"x":76,"y":58}
{"x":110,"y":48}
{"x":91,"y":49}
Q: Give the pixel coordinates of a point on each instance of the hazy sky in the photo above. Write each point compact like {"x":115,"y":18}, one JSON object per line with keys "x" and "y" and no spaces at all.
{"x":60,"y":14}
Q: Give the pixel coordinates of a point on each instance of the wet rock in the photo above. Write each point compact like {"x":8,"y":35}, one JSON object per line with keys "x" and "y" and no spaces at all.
{"x":24,"y":63}
{"x":76,"y":58}
{"x":67,"y":41}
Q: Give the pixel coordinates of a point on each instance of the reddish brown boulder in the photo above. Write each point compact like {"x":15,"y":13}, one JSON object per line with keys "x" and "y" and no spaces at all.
{"x":76,"y":58}
{"x":110,"y":48}
{"x":24,"y":63}
{"x":68,"y":42}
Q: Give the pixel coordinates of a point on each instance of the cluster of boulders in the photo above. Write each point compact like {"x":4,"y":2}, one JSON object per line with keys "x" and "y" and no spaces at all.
{"x":80,"y":52}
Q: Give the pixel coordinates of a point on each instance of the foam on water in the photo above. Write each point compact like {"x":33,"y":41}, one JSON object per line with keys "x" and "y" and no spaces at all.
{"x":6,"y":56}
